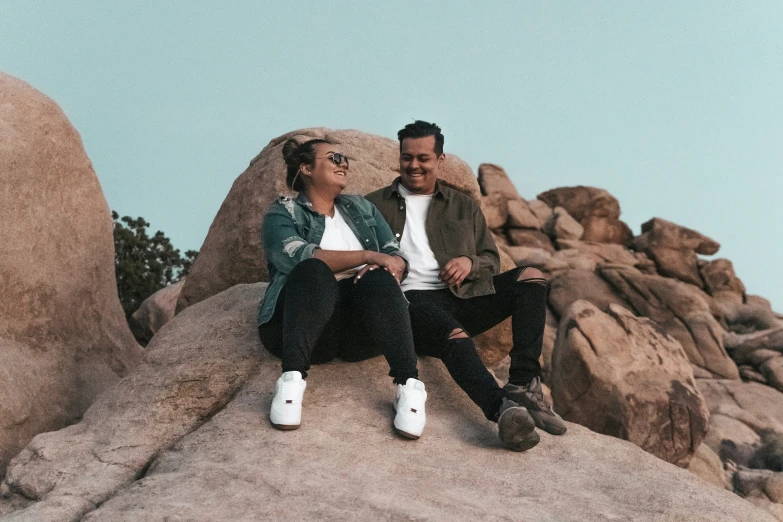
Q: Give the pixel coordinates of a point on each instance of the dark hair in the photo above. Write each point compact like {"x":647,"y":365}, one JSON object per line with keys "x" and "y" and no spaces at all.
{"x":422,"y":129}
{"x":296,"y":154}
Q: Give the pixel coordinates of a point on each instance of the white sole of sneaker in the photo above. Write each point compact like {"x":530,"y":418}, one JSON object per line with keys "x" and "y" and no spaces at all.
{"x":285,"y":427}
{"x":405,"y":434}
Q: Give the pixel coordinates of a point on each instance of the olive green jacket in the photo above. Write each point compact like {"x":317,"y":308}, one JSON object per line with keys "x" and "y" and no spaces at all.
{"x":455,"y":227}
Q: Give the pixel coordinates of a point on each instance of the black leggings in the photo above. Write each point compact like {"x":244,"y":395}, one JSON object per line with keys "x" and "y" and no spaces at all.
{"x":435,"y":314}
{"x":318,"y":318}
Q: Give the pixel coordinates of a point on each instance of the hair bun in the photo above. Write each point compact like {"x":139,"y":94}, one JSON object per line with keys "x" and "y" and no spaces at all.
{"x":290,"y":155}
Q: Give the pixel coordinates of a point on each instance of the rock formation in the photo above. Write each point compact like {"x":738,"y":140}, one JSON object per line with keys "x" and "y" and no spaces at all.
{"x":595,"y":209}
{"x":620,"y":375}
{"x":674,"y":249}
{"x":63,"y":335}
{"x":643,"y":339}
{"x":154,"y":312}
{"x":186,"y":436}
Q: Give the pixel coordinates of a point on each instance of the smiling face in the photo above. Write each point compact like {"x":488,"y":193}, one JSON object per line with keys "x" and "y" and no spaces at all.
{"x":419,"y":164}
{"x":324,"y":174}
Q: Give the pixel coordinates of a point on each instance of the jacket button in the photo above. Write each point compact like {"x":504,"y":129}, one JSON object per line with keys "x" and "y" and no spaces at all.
{"x":366,"y":240}
{"x":402,"y":208}
{"x":396,"y":235}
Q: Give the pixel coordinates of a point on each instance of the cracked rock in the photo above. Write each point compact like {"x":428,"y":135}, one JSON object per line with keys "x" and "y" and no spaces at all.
{"x":621,"y":375}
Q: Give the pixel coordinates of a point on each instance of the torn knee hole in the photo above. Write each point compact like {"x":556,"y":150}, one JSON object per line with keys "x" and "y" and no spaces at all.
{"x":532,"y":275}
{"x":458,"y":333}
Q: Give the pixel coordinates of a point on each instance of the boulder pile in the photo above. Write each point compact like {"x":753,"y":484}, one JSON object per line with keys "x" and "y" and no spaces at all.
{"x":645,"y":341}
{"x":630,"y":309}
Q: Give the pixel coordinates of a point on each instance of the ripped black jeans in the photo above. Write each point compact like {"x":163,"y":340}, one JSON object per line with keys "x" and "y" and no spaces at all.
{"x":318,"y":318}
{"x":435,"y":314}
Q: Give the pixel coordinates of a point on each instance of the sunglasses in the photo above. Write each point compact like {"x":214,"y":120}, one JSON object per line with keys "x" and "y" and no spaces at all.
{"x":337,"y":158}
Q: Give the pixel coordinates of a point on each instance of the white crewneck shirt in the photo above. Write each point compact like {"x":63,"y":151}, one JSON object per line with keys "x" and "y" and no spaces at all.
{"x":423,"y":267}
{"x":339,"y":236}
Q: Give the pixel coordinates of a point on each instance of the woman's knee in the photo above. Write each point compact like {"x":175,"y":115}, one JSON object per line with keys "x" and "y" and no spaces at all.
{"x":311,"y":269}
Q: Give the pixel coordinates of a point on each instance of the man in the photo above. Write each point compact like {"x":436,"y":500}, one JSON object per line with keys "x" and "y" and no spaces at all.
{"x":455,"y":291}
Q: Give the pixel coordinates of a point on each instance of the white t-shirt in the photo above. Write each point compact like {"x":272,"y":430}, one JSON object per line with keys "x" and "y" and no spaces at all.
{"x":339,"y":236}
{"x":423,"y":267}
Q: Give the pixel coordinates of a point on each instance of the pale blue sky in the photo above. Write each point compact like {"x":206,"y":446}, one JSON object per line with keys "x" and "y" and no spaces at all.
{"x":674,"y":107}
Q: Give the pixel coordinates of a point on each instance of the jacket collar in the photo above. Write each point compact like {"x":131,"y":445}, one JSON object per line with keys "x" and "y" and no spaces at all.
{"x":393,"y":189}
{"x":301,"y":198}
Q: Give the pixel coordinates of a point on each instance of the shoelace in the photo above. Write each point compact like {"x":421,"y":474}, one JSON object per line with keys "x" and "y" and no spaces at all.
{"x":538,"y":398}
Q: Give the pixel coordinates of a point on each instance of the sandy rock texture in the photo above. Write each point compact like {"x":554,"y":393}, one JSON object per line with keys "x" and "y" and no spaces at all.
{"x":759,"y":354}
{"x":620,"y":375}
{"x":494,"y":181}
{"x":63,"y":334}
{"x":152,"y":455}
{"x":155,"y":311}
{"x":742,"y":416}
{"x":595,"y":209}
{"x":682,"y":310}
{"x":232,"y":253}
{"x":674,"y":248}
{"x":706,"y":465}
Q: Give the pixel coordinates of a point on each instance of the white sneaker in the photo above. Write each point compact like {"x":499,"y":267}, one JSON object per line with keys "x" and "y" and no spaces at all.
{"x":409,"y":405}
{"x":286,"y":412}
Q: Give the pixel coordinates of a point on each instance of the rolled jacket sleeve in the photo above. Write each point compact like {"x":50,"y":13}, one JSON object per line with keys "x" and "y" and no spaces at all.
{"x":283,"y":245}
{"x":386,"y":241}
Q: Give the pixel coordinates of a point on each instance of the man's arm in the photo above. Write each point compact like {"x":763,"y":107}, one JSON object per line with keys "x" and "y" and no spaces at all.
{"x":484,"y":263}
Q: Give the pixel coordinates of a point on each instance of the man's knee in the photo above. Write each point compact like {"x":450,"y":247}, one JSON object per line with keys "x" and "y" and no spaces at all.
{"x":458,"y":333}
{"x":530,"y":274}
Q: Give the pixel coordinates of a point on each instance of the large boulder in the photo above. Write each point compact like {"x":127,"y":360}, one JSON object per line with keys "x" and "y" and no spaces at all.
{"x":155,"y":311}
{"x":521,"y":216}
{"x":186,"y":436}
{"x":572,"y":285}
{"x":563,"y":226}
{"x":494,"y":180}
{"x":674,"y":249}
{"x":63,"y":334}
{"x":620,"y":375}
{"x":681,"y":310}
{"x":495,"y":210}
{"x":232,"y":253}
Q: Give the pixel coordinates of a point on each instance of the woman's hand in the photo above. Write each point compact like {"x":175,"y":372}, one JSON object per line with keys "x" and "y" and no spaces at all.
{"x":395,"y":265}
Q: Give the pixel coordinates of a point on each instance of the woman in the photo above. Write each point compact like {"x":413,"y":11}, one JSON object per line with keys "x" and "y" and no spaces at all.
{"x":335,"y":269}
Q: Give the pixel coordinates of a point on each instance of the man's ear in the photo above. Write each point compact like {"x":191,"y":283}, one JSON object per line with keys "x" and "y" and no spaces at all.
{"x":441,"y":158}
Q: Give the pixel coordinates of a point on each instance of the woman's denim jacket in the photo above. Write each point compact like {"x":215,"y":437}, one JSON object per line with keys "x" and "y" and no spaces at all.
{"x":292,"y":231}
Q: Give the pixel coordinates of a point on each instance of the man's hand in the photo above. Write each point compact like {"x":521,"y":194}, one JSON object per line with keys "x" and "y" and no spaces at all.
{"x":456,"y":270}
{"x":392,"y":264}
